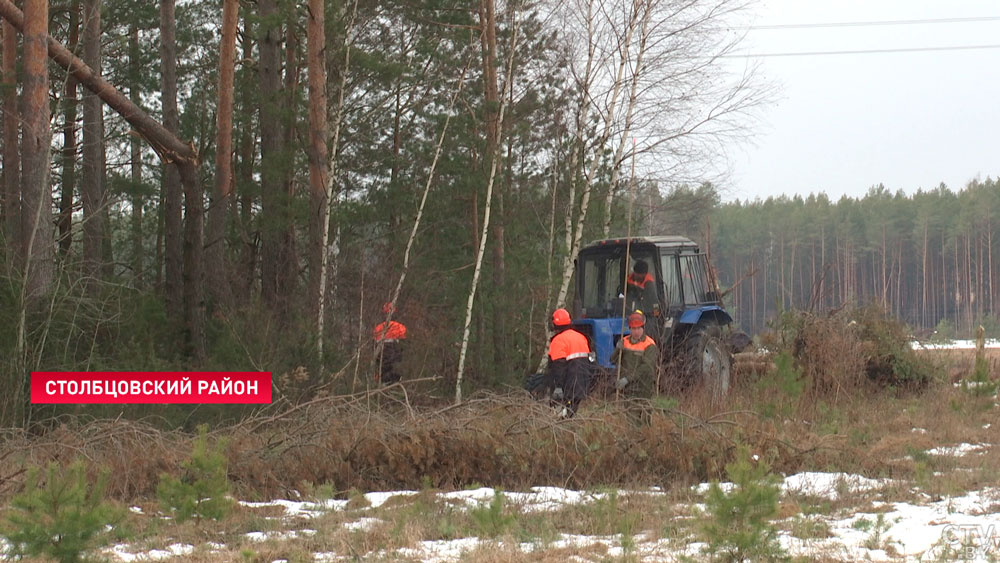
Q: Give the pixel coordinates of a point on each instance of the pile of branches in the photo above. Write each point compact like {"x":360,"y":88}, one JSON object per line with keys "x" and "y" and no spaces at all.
{"x":379,"y":441}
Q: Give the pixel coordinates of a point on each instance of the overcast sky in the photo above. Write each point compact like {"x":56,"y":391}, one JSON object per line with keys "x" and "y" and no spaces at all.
{"x":843,"y":123}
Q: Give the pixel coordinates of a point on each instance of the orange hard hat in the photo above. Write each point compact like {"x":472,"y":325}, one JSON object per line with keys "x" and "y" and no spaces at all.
{"x":636,"y":320}
{"x":560,"y":317}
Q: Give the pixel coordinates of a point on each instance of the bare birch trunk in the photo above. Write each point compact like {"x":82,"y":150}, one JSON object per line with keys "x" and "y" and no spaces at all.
{"x":328,"y":251}
{"x":318,"y":160}
{"x":481,"y":251}
{"x":626,"y":47}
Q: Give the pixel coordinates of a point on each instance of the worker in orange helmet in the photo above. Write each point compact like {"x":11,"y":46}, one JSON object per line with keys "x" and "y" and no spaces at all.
{"x":389,"y":336}
{"x":636,"y":356}
{"x":570,"y":364}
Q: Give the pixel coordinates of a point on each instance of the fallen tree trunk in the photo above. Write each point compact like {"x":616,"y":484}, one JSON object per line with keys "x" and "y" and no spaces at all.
{"x":166,"y":144}
{"x":169,"y":147}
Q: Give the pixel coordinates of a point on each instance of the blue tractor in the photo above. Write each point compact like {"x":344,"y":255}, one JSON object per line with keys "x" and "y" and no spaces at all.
{"x":668,"y":279}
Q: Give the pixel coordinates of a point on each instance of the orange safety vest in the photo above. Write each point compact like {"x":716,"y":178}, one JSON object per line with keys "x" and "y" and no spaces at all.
{"x":568,"y":345}
{"x":395,"y":331}
{"x":639,"y":280}
{"x":639,"y":346}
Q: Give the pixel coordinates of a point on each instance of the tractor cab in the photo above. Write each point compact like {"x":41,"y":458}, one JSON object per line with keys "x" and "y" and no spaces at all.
{"x":665,"y":277}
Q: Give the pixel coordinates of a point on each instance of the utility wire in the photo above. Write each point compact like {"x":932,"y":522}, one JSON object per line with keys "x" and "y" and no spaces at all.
{"x":860,"y":51}
{"x":875,"y":23}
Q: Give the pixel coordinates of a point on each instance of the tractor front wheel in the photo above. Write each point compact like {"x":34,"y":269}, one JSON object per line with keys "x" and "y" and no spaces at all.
{"x":708,"y":362}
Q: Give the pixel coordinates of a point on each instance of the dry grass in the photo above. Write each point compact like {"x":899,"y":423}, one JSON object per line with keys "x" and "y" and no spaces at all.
{"x":513,"y":442}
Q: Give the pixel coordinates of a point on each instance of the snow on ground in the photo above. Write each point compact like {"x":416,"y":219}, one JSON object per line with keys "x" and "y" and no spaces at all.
{"x":885,"y":529}
{"x":959,"y":450}
{"x":953,"y":345}
{"x":962,"y":526}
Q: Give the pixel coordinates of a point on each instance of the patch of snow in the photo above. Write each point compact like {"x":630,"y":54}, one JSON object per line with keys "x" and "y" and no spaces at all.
{"x":953,"y":345}
{"x":302,"y":509}
{"x":958,"y":450}
{"x":286,"y":535}
{"x":174,"y":550}
{"x":919,"y":430}
{"x":703,"y":488}
{"x":827,"y":484}
{"x":135,"y":509}
{"x":377,"y":499}
{"x":472,"y":497}
{"x":440,"y":550}
{"x":363,"y":524}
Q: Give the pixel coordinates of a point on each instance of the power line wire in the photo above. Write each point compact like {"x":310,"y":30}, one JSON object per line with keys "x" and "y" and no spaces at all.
{"x":860,"y":51}
{"x":875,"y":23}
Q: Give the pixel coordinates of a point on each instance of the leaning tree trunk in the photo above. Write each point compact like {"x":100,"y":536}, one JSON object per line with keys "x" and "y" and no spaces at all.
{"x":166,"y":144}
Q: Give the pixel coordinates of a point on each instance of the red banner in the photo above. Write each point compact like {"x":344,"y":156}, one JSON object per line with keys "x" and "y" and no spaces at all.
{"x":150,"y":387}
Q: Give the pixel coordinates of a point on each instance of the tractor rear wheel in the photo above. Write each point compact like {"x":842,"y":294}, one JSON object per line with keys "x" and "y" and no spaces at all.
{"x":707,"y":360}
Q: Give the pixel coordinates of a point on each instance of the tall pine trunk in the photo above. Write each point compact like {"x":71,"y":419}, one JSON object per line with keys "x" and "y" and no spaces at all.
{"x":172,"y":223}
{"x":68,"y":187}
{"x":92,"y":181}
{"x":247,"y":151}
{"x":11,"y":146}
{"x":216,"y":258}
{"x":271,"y":147}
{"x":35,"y":193}
{"x":135,"y":150}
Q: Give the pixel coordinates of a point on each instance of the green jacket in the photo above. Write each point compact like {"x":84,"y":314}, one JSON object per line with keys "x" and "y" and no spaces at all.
{"x":638,"y":363}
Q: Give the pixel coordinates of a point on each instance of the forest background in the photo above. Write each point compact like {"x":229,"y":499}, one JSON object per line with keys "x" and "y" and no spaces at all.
{"x":241,"y":186}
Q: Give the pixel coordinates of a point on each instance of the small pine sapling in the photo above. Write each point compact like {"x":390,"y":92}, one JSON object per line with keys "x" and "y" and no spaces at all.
{"x":738,"y":527}
{"x":61,"y":518}
{"x":202,"y":491}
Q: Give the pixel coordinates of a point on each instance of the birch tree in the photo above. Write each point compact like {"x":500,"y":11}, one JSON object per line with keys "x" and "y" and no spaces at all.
{"x":323,"y":169}
{"x":648,"y":69}
{"x":487,"y":24}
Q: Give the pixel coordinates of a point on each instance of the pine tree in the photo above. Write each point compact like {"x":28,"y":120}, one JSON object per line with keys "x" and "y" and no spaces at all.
{"x":202,"y":491}
{"x":62,"y":517}
{"x":739,"y":528}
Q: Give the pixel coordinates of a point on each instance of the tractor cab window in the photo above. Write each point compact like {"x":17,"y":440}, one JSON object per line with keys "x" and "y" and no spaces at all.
{"x":670,"y":282}
{"x":694,"y":278}
{"x":610,"y":284}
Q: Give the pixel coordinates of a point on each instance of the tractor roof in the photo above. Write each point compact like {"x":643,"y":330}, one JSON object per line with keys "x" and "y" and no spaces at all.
{"x":662,"y":241}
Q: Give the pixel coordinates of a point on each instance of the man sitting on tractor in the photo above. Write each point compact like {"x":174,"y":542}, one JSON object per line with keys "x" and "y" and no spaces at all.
{"x":640,"y":286}
{"x":636,"y":356}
